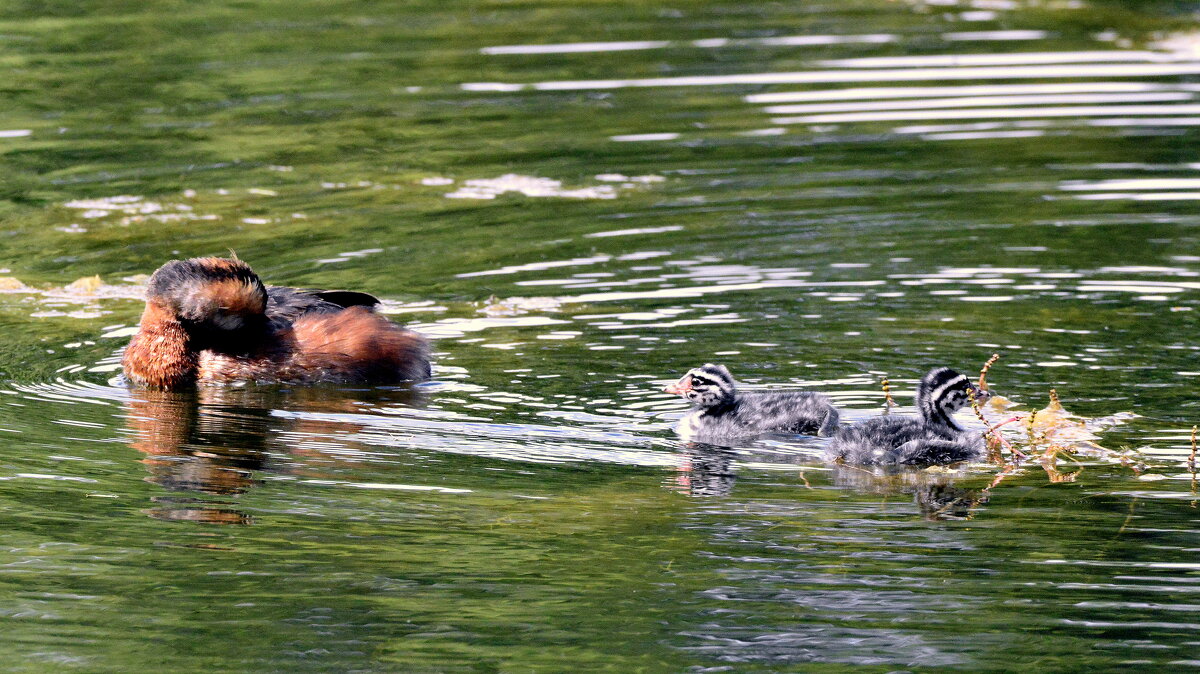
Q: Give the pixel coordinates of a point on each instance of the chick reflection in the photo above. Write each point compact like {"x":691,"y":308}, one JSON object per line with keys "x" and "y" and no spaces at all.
{"x":212,"y":442}
{"x":704,"y":470}
{"x":934,"y":493}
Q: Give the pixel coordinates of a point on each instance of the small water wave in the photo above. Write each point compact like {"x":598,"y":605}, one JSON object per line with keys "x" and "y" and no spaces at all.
{"x":1138,"y":70}
{"x":968,"y":91}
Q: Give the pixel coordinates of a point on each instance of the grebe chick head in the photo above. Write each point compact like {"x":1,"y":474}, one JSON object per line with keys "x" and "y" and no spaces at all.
{"x":209,"y":295}
{"x":942,"y":392}
{"x":708,"y":386}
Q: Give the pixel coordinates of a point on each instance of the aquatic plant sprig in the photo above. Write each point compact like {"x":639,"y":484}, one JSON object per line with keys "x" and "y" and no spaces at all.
{"x":1029,"y":429}
{"x":1007,"y":470}
{"x":1192,"y":463}
{"x":1049,"y":456}
{"x":994,"y":440}
{"x":1192,"y":456}
{"x":1049,"y":461}
{"x":984,"y":370}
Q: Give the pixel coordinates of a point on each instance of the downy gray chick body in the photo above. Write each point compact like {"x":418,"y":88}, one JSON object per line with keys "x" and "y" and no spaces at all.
{"x":721,"y":412}
{"x":933,"y":438}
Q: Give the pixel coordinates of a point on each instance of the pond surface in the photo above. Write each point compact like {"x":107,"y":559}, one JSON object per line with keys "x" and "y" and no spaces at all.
{"x":577,"y":204}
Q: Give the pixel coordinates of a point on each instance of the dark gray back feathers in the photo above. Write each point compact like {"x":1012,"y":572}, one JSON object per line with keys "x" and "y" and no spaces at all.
{"x":934,"y":438}
{"x":722,"y":412}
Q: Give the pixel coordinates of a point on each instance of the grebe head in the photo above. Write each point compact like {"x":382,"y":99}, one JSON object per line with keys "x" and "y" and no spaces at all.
{"x":708,"y":386}
{"x":942,"y":392}
{"x":209,"y":294}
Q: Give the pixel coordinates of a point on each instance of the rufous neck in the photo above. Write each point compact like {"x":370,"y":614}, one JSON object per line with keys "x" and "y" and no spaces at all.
{"x":160,"y":355}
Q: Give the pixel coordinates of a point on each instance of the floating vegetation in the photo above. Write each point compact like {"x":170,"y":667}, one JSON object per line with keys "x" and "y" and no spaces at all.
{"x":64,"y":301}
{"x":86,"y":285}
{"x":1049,"y":434}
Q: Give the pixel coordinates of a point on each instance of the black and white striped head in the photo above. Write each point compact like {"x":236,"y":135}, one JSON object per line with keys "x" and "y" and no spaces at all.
{"x":942,"y":392}
{"x":708,"y":386}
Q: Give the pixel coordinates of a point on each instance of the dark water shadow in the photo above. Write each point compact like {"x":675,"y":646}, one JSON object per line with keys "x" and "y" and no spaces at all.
{"x":207,"y":446}
{"x":935,"y":492}
{"x":704,"y":470}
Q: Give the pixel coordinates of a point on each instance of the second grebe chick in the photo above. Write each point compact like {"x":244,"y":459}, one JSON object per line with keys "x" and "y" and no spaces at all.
{"x":213,"y":320}
{"x":933,"y":438}
{"x":721,"y":412}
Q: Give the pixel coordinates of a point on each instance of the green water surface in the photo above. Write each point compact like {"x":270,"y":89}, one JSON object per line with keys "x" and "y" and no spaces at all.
{"x":531,"y":509}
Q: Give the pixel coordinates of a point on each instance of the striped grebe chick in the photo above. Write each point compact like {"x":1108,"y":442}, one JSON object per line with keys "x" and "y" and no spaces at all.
{"x":212,"y":320}
{"x":932,"y":438}
{"x":721,"y":412}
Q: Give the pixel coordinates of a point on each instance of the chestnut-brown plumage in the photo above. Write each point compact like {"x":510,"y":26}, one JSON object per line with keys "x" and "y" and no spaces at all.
{"x":211,"y":320}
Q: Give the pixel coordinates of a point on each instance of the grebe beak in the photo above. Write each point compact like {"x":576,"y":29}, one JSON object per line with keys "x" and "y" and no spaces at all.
{"x":680,"y":387}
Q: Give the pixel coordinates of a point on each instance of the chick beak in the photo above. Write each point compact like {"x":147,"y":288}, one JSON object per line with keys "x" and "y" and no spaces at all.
{"x":680,"y":387}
